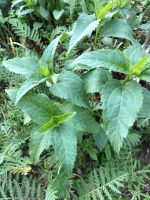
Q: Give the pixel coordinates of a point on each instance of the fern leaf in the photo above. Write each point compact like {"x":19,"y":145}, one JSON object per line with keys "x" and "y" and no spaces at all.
{"x":24,"y":30}
{"x":102,"y":183}
{"x":50,"y":193}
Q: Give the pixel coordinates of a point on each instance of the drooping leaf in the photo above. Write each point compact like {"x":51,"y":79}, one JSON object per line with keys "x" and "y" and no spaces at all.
{"x":25,"y":66}
{"x":39,"y":107}
{"x":30,"y":83}
{"x":118,"y":28}
{"x":69,"y":86}
{"x":134,"y":53}
{"x":100,"y":139}
{"x":38,"y":143}
{"x":120,"y":108}
{"x":84,"y":26}
{"x":95,"y":79}
{"x":105,"y":58}
{"x":65,"y":145}
{"x":48,"y":55}
{"x":84,"y":121}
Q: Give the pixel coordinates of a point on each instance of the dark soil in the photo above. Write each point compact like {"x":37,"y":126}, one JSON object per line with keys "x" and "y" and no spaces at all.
{"x":3,"y":86}
{"x":144,"y":154}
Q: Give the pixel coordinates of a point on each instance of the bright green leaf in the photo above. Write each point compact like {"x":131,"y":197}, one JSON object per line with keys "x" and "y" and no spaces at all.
{"x":57,"y":120}
{"x":139,"y":66}
{"x":134,"y":53}
{"x":98,"y":6}
{"x":107,"y":8}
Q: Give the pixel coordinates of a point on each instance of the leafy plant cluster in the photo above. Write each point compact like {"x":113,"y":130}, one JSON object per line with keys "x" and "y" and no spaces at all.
{"x":79,"y":88}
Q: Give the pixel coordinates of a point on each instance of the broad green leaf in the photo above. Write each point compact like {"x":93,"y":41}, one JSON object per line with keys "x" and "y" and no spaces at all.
{"x":110,"y":59}
{"x":28,"y":85}
{"x":38,"y":143}
{"x":48,"y":55}
{"x":121,"y":103}
{"x":145,"y":110}
{"x":134,"y":53}
{"x":139,"y":66}
{"x":39,"y":107}
{"x":69,"y":86}
{"x":84,"y":121}
{"x":118,"y":28}
{"x":84,"y":26}
{"x":57,"y":120}
{"x":100,"y":139}
{"x":65,"y":145}
{"x":95,"y":80}
{"x":25,"y":66}
{"x":107,"y":8}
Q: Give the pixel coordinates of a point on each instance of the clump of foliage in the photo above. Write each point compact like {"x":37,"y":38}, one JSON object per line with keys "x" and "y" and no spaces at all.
{"x":79,"y":105}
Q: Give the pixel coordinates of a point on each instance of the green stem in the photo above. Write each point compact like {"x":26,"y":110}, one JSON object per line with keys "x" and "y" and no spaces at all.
{"x":128,"y":78}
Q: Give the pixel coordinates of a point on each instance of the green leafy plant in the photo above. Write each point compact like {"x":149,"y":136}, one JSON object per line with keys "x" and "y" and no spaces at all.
{"x":82,"y":99}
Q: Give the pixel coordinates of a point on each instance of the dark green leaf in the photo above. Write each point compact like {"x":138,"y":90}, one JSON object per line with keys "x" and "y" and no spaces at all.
{"x":69,"y":86}
{"x":110,"y":59}
{"x":120,"y":108}
{"x":118,"y":28}
{"x":28,"y":85}
{"x":95,"y":79}
{"x":25,"y":66}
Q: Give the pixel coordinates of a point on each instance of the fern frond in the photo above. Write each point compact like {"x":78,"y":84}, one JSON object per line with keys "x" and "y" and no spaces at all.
{"x":101,"y":184}
{"x":51,"y":193}
{"x":20,"y":187}
{"x":24,"y":30}
{"x":132,"y":140}
{"x":57,"y":31}
{"x":72,"y":5}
